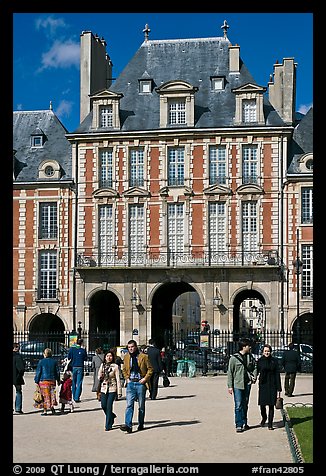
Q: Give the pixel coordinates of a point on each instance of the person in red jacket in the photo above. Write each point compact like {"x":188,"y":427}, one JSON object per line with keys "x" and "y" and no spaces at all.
{"x":65,"y":396}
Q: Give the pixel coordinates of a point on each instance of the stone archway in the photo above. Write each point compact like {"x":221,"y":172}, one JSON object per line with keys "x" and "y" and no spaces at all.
{"x":302,"y":329}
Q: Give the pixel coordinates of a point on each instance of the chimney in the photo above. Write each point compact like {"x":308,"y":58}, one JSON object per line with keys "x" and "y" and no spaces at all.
{"x":95,"y":69}
{"x":234,"y":58}
{"x":282,"y":92}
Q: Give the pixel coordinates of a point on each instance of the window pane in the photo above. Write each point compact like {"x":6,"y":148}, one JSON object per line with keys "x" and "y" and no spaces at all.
{"x":176,"y":166}
{"x":48,"y":221}
{"x":48,"y":275}
{"x":136,"y":168}
{"x":106,"y":234}
{"x":106,"y":168}
{"x":306,"y":205}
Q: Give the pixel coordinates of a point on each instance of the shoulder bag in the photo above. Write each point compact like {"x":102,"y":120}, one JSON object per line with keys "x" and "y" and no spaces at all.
{"x":250,"y":375}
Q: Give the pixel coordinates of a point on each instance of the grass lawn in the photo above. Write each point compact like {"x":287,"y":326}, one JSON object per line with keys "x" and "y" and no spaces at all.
{"x":302,"y":422}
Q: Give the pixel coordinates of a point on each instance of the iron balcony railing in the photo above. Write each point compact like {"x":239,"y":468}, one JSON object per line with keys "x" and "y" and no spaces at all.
{"x":87,"y":258}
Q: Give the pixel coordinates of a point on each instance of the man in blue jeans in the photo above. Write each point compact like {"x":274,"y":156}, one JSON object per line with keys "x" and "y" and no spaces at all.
{"x":242,"y":372}
{"x":18,"y":380}
{"x":137,"y":371}
{"x":77,"y":355}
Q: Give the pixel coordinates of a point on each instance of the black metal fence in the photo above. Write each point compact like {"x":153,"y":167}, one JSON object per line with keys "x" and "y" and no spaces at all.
{"x":210,"y":351}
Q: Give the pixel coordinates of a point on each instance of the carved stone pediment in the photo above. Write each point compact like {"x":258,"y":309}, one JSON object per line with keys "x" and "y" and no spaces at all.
{"x":107,"y":94}
{"x":182,"y":190}
{"x":249,"y":88}
{"x":105,"y":193}
{"x":136,"y":192}
{"x":250,"y":189}
{"x":217,"y":189}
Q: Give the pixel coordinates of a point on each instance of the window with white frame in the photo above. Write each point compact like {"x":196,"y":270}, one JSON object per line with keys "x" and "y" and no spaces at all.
{"x":176,"y":166}
{"x":177,"y":111}
{"x":306,"y":205}
{"x":249,"y":226}
{"x":145,"y":86}
{"x":136,"y":165}
{"x":106,"y":168}
{"x":217,"y":226}
{"x":176,"y":227}
{"x":48,"y":228}
{"x":249,"y":164}
{"x":106,"y":234}
{"x":136,"y":232}
{"x":307,"y":271}
{"x":217,"y":84}
{"x":249,"y":110}
{"x":217,"y":165}
{"x":48,"y":275}
{"x":106,"y":116}
{"x":37,"y":141}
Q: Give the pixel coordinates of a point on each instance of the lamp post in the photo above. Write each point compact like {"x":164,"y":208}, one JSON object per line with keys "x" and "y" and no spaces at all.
{"x":79,"y":329}
{"x":298,"y":267}
{"x":135,"y":301}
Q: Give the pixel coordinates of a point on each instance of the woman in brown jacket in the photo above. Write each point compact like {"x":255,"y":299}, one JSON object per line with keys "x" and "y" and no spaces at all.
{"x":109,"y":375}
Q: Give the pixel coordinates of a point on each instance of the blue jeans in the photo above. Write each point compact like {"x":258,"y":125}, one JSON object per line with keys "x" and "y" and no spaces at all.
{"x":19,"y":398}
{"x":107,"y":400}
{"x":135,"y":391}
{"x":241,"y":400}
{"x":77,"y":382}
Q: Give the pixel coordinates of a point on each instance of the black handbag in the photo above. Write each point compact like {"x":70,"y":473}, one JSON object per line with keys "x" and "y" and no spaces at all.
{"x":166,"y":381}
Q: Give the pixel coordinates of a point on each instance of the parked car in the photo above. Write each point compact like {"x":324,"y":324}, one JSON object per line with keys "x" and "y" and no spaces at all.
{"x":306,"y":360}
{"x":32,"y":352}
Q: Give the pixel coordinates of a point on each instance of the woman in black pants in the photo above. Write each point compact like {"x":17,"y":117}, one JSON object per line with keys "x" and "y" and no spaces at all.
{"x":269,"y":385}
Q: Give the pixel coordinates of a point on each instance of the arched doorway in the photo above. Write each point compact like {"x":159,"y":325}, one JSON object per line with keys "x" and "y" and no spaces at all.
{"x":302,"y":329}
{"x":249,"y":315}
{"x":163,"y":306}
{"x":104,"y":320}
{"x":47,"y":327}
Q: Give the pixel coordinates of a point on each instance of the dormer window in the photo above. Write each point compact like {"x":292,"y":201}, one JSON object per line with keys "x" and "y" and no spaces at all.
{"x":217,"y":83}
{"x":37,"y":141}
{"x":145,"y":86}
{"x":49,"y":169}
{"x":106,"y":110}
{"x":37,"y":138}
{"x":177,"y":104}
{"x":249,"y":107}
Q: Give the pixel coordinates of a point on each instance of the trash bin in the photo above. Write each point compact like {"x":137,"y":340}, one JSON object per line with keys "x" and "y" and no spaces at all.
{"x":180,"y":367}
{"x":191,"y":368}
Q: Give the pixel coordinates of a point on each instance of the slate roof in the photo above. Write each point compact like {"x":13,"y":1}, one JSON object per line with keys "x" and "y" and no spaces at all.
{"x":27,"y":159}
{"x":192,"y":60}
{"x":302,"y":142}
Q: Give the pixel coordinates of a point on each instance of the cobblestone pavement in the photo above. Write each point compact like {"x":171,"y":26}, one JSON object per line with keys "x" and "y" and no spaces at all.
{"x":192,"y":421}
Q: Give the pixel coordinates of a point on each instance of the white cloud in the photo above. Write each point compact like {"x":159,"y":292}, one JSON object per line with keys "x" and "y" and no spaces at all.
{"x":64,"y":108}
{"x":50,"y":24}
{"x":61,"y":55}
{"x":304,"y":108}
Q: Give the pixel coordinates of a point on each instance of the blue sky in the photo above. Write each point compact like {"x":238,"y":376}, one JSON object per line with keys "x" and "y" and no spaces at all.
{"x":46,"y":49}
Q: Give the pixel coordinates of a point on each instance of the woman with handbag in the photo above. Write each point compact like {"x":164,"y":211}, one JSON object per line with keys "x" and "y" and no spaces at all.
{"x":269,"y":385}
{"x":47,"y":376}
{"x":109,"y":376}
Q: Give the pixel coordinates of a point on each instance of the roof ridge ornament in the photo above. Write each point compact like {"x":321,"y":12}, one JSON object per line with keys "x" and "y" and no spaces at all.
{"x":146,"y":30}
{"x":225,"y":28}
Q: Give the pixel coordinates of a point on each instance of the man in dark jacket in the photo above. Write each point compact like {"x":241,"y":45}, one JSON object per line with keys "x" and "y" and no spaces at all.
{"x":18,"y":380}
{"x":291,"y":363}
{"x":78,"y":355}
{"x":155,"y":359}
